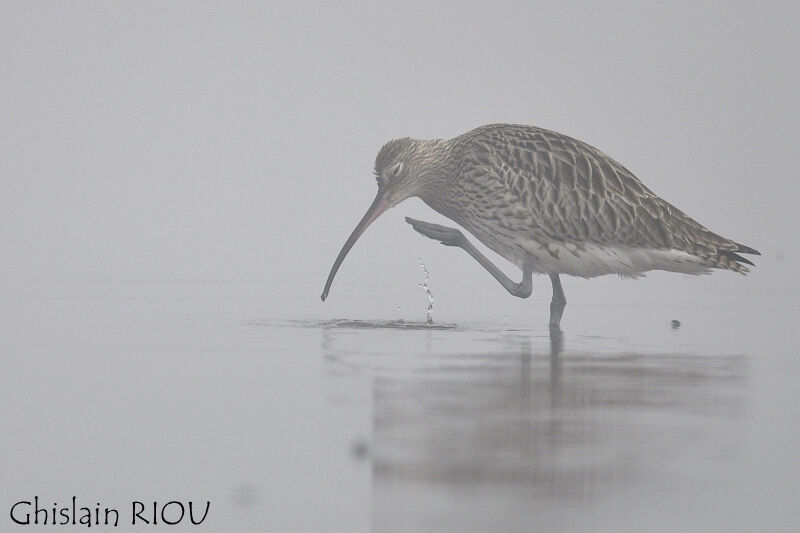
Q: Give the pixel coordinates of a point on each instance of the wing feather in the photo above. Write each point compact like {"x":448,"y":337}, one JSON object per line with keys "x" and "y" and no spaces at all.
{"x":577,"y":193}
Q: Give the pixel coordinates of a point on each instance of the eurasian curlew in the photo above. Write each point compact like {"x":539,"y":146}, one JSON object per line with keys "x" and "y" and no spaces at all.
{"x":548,"y":203}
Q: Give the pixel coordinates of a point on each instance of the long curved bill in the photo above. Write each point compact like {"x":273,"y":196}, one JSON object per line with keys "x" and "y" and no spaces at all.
{"x":379,"y":205}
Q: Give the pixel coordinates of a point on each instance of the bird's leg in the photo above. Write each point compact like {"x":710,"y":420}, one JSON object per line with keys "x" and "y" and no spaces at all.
{"x":453,"y":237}
{"x":558,"y":302}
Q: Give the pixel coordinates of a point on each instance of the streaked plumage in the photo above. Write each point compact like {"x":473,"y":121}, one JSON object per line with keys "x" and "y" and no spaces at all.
{"x":548,"y":203}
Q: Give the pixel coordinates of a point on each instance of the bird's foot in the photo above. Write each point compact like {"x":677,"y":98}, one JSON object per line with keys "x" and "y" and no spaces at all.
{"x":443,"y":234}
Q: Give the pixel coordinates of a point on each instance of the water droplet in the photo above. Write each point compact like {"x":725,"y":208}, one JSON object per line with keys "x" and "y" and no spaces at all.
{"x":398,"y":307}
{"x":427,"y":289}
{"x":505,"y":318}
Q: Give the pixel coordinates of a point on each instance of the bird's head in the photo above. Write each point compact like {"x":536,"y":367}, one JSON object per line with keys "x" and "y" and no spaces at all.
{"x":397,"y":170}
{"x":401,"y":169}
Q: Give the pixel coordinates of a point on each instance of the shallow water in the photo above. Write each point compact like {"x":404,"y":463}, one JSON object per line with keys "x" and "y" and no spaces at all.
{"x":287,"y":420}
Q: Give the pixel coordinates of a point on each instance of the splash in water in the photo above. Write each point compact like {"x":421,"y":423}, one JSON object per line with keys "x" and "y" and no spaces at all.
{"x":427,"y":289}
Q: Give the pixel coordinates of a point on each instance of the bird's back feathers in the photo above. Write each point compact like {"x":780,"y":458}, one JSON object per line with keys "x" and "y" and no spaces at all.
{"x":577,"y":194}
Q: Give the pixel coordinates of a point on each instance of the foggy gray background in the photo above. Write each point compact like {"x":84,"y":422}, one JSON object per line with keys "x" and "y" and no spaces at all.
{"x":177,"y":178}
{"x":236,"y":141}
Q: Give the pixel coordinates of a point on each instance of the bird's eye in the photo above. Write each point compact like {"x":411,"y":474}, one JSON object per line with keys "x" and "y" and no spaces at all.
{"x":394,"y":171}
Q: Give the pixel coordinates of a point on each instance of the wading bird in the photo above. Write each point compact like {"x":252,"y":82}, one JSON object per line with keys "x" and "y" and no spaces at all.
{"x":548,"y":203}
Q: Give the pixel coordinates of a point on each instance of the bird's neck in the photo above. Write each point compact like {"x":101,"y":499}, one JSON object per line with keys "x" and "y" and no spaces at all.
{"x":434,"y":175}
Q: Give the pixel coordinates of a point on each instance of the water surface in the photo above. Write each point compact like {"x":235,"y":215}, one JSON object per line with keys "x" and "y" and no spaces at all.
{"x":288,"y":420}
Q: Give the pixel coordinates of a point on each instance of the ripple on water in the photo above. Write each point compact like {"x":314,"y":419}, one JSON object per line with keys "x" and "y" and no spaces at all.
{"x":346,"y":323}
{"x":382,"y":324}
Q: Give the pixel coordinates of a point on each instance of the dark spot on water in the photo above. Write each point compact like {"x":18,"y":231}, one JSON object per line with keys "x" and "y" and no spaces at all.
{"x":359,"y":449}
{"x":675,"y":324}
{"x":244,"y":495}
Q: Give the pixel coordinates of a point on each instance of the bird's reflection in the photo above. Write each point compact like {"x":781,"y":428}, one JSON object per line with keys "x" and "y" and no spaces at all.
{"x":556,"y":341}
{"x":523,"y":414}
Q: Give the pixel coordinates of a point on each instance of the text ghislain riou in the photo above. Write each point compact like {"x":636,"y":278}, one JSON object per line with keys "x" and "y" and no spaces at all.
{"x":32,"y":512}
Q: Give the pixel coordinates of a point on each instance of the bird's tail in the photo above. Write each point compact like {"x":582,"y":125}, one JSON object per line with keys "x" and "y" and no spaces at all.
{"x":731,"y":260}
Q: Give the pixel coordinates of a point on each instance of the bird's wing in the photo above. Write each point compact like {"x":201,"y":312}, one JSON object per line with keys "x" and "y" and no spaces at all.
{"x":578,"y":193}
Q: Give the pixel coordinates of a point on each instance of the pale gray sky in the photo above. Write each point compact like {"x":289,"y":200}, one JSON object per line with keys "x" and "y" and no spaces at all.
{"x":236,"y":140}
